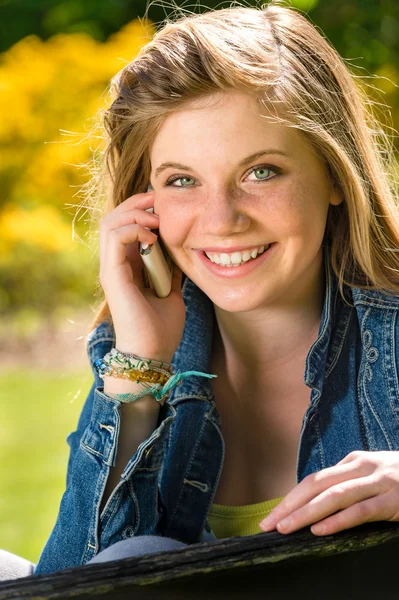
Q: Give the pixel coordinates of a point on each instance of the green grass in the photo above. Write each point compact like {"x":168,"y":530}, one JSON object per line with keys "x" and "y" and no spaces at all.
{"x":38,"y":410}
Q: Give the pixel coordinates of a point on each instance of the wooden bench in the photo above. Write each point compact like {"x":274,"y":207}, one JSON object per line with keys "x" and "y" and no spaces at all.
{"x":357,"y":564}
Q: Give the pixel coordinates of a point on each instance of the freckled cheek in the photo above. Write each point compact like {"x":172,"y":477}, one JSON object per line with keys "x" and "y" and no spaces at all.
{"x":174,"y":232}
{"x":176,"y":219}
{"x":285,"y":215}
{"x":297,"y":210}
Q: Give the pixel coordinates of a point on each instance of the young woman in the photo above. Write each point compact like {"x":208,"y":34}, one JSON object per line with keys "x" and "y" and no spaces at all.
{"x":273,"y":194}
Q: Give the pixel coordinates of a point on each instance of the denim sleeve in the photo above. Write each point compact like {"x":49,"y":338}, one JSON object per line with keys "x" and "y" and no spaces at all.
{"x":80,"y":531}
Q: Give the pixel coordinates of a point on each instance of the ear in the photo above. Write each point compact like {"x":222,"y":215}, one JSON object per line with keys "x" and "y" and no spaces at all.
{"x":336,"y":197}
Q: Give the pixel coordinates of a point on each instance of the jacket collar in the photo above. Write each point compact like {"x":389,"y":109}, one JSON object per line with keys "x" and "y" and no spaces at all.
{"x":195,"y":349}
{"x":316,"y":360}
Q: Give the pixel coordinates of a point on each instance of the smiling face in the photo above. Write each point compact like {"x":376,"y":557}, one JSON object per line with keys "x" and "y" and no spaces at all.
{"x":223,"y":200}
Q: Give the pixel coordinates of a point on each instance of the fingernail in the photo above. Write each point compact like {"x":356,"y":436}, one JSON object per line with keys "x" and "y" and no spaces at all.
{"x":285,"y":523}
{"x":318,"y":528}
{"x":144,"y":246}
{"x":267,"y":524}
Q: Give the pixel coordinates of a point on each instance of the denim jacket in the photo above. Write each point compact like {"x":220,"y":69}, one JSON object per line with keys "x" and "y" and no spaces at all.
{"x":168,"y":485}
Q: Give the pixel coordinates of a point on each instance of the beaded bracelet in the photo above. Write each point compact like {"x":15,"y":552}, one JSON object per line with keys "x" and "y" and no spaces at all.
{"x":150,"y":373}
{"x":155,"y":375}
{"x":134,"y":362}
{"x":146,"y":372}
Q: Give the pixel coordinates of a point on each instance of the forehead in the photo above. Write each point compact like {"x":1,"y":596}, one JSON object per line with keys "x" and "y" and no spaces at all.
{"x":224,"y":124}
{"x":223,"y":115}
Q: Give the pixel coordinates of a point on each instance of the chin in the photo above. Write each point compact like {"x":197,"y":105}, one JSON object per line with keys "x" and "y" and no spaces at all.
{"x":235,"y":301}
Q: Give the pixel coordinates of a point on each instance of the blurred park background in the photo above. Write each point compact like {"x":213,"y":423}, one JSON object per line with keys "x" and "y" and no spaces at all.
{"x":57,"y":58}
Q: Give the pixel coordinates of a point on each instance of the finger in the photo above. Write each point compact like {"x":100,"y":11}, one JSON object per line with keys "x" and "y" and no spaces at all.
{"x":355,"y":455}
{"x":143,"y":200}
{"x":135,"y":215}
{"x":330,"y":501}
{"x":372,"y":509}
{"x":137,"y":266}
{"x":118,"y":239}
{"x":310,"y":487}
{"x":115,"y":221}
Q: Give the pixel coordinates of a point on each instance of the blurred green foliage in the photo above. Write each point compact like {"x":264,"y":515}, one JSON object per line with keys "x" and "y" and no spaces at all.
{"x":97,"y":18}
{"x":58,"y":58}
{"x":358,"y":28}
{"x":55,"y":87}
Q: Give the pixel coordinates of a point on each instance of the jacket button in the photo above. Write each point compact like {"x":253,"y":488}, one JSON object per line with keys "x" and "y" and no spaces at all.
{"x":128,"y":532}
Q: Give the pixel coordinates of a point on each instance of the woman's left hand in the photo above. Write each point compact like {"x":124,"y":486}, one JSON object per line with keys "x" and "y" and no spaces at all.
{"x":363,"y":487}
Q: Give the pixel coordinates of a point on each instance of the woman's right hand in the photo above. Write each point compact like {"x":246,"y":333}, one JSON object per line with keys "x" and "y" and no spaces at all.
{"x":144,"y":324}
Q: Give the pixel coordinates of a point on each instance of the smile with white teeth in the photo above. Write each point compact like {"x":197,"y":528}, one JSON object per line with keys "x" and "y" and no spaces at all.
{"x":235,"y":259}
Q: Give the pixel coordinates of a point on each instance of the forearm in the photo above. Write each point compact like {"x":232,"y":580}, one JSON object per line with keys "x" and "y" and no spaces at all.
{"x":80,"y":532}
{"x":138,"y":420}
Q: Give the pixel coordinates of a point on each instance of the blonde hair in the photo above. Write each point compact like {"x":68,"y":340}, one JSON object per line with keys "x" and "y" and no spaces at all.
{"x":275,"y":54}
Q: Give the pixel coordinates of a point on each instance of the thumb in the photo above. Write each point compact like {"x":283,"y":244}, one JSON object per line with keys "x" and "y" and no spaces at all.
{"x":137,"y":265}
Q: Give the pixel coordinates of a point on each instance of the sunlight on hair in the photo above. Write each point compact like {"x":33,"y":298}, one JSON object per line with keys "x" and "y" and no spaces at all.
{"x":275,"y":53}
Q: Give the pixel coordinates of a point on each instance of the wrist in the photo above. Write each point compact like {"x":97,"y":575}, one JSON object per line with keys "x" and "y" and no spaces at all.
{"x":130,"y":348}
{"x":116,"y":385}
{"x":113,"y":387}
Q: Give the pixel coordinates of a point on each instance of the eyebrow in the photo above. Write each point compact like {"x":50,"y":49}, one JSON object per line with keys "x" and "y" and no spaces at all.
{"x":244,"y":162}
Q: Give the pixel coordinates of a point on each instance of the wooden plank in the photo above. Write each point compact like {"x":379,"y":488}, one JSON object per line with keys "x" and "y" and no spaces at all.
{"x":356,"y":564}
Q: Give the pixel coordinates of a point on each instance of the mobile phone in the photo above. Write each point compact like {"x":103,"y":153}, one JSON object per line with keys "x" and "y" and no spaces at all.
{"x":158,"y":265}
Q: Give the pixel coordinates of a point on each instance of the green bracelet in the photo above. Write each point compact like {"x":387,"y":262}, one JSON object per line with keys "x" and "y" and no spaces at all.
{"x":159,"y":392}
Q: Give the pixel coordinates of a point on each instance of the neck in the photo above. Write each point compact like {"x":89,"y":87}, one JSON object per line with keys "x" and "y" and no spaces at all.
{"x":269,"y":337}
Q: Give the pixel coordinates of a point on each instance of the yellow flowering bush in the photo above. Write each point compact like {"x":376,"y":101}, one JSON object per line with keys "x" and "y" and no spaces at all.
{"x":42,"y":226}
{"x":50,"y":93}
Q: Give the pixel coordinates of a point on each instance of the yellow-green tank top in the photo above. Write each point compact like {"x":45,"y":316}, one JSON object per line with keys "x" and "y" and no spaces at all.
{"x":228,"y":521}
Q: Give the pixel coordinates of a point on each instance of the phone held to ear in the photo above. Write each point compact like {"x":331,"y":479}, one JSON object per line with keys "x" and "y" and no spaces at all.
{"x":158,"y":265}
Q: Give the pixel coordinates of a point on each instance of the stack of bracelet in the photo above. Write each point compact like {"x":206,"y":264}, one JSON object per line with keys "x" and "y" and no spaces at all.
{"x":157,"y":377}
{"x":125,"y":365}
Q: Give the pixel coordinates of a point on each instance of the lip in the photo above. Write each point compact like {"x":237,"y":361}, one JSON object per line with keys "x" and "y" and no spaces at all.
{"x":230,"y":250}
{"x":235,"y":272}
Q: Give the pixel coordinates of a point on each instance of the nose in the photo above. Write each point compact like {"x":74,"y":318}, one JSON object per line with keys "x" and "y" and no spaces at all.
{"x":224,"y":214}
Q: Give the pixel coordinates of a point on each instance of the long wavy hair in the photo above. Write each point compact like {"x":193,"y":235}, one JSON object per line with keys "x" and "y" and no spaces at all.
{"x":275,"y":54}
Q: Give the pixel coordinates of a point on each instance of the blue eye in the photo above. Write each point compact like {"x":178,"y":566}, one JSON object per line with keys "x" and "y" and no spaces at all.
{"x":178,"y":178}
{"x":264,"y":172}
